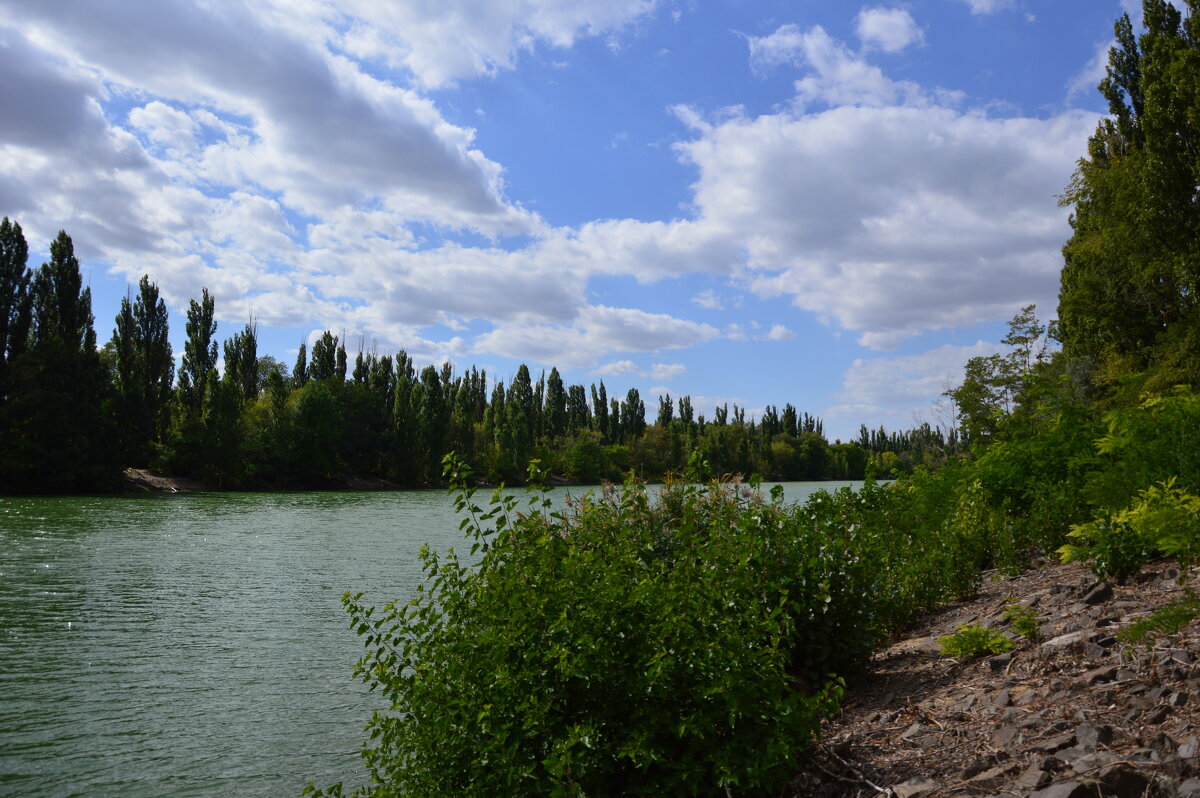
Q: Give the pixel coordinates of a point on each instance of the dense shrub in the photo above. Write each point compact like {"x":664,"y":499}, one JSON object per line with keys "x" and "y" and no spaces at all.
{"x":1161,"y":520}
{"x":685,"y":643}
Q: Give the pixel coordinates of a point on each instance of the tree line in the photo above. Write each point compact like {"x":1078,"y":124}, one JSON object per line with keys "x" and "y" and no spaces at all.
{"x":73,"y":414}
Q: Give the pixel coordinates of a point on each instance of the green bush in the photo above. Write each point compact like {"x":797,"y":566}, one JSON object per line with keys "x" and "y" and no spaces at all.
{"x":1023,"y":620}
{"x":973,"y":641}
{"x":624,"y":647}
{"x":1162,"y":520}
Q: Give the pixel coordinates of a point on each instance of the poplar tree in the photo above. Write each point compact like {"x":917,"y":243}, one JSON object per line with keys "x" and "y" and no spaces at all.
{"x":1128,"y":297}
{"x":15,"y":298}
{"x":59,"y":438}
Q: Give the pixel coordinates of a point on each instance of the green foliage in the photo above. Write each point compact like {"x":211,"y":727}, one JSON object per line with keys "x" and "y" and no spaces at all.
{"x":1163,"y":622}
{"x":1154,"y":440}
{"x":973,"y":641}
{"x":1023,"y":620}
{"x":1162,"y":520}
{"x":624,"y":647}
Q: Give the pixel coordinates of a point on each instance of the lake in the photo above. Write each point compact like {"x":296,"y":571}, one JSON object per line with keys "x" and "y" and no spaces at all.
{"x":195,"y":644}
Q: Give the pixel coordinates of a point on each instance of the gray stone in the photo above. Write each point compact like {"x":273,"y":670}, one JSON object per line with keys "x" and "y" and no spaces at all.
{"x":981,"y":764}
{"x":1000,"y":661}
{"x":1098,"y":594}
{"x":1088,"y":736}
{"x":1163,"y":745}
{"x":1069,"y":640}
{"x":916,"y":787}
{"x":994,"y":778}
{"x":1069,"y":789}
{"x":1177,"y":699}
{"x":1122,"y":779}
{"x":1190,"y":789}
{"x":1033,"y":778}
{"x":1054,"y":744}
{"x":1189,"y":748}
{"x":1156,"y":715}
{"x":1100,"y":675}
{"x":1004,"y":735}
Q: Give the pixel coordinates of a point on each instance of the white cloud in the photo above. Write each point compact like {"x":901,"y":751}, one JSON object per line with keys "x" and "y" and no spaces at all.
{"x":1084,"y":82}
{"x":708,"y":299}
{"x":910,"y":379}
{"x":784,"y":46}
{"x":597,"y":329}
{"x":780,"y":333}
{"x":988,"y":6}
{"x":618,"y":368}
{"x":451,"y":40}
{"x":667,"y":371}
{"x":659,"y":371}
{"x":893,"y":212}
{"x":888,"y":29}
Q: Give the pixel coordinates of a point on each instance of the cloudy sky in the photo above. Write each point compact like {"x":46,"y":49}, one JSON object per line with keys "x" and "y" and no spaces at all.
{"x":749,"y":201}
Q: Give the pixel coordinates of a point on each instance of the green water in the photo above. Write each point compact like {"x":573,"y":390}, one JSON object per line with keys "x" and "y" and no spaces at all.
{"x":195,"y":645}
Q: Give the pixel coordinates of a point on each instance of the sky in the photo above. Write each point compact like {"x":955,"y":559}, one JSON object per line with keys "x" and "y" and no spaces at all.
{"x":745,"y":201}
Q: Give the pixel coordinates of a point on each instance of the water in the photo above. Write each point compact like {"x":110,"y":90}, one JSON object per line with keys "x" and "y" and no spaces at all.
{"x":195,"y":645}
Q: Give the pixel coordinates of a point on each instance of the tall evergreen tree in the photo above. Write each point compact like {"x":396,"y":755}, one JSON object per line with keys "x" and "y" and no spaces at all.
{"x":241,"y":360}
{"x":1128,"y":296}
{"x":155,"y":361}
{"x":555,"y":413}
{"x":58,"y":436}
{"x":300,"y":370}
{"x":199,"y":355}
{"x":15,"y":298}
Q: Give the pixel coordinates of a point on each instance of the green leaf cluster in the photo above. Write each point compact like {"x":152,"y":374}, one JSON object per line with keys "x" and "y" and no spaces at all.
{"x":973,"y":641}
{"x":685,"y":643}
{"x":1163,"y":520}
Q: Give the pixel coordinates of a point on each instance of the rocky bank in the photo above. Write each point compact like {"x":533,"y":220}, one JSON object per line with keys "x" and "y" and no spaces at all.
{"x":1070,"y":713}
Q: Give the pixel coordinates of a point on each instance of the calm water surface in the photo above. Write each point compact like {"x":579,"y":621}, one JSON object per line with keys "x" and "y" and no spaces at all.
{"x":195,"y":645}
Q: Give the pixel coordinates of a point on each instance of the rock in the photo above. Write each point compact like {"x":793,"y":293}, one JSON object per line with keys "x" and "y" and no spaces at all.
{"x":1069,"y":640}
{"x":1163,"y":745}
{"x":1098,"y":594}
{"x":1002,"y":698}
{"x":1177,"y":699}
{"x":1156,"y":715}
{"x":1100,"y":675}
{"x":1122,"y":779}
{"x":1000,"y":661}
{"x":916,"y":787}
{"x":1004,"y":735}
{"x":1189,"y":748}
{"x":994,"y":778}
{"x":1054,"y":744}
{"x":1170,"y":574}
{"x":1069,"y":789}
{"x":1190,"y":789}
{"x":1088,"y":736}
{"x":1033,"y":778}
{"x":911,"y":731}
{"x":981,"y":764}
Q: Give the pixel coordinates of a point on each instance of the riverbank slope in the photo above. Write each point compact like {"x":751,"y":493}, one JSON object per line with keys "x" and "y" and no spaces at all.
{"x":1073,"y":713}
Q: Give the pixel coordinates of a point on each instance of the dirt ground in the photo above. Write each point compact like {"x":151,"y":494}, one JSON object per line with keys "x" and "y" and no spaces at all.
{"x":1071,"y":713}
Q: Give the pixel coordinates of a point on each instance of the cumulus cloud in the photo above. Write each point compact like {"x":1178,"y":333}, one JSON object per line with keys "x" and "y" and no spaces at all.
{"x":596,"y":329}
{"x":440,"y":43}
{"x":780,"y":333}
{"x":785,"y":46}
{"x":988,"y":6}
{"x":708,"y":299}
{"x":887,"y":29}
{"x":892,"y":210}
{"x":659,"y":371}
{"x":898,"y":391}
{"x":1087,"y":79}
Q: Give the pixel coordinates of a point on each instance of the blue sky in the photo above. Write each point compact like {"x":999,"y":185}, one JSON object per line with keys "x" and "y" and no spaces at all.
{"x":823,"y":203}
